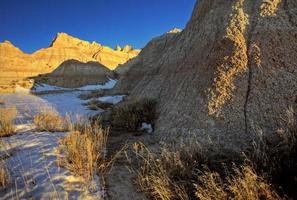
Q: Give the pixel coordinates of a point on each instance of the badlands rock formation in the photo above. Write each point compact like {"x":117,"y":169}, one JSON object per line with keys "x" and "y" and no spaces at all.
{"x":231,"y":72}
{"x":73,"y":73}
{"x":16,"y":65}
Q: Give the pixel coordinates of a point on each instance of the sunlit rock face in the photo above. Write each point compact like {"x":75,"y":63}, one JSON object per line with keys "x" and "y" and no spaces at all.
{"x":15,"y":65}
{"x":231,"y":72}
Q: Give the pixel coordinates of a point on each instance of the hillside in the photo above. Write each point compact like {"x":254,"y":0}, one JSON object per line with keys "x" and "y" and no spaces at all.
{"x":73,"y":74}
{"x":230,"y":73}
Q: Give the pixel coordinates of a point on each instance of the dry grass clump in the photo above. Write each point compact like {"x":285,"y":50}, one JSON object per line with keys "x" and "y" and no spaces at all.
{"x":51,"y":121}
{"x":245,"y":184}
{"x":4,"y":176}
{"x":167,"y":175}
{"x":7,"y":117}
{"x":277,"y":159}
{"x":131,"y":114}
{"x":83,"y":150}
{"x":187,"y":172}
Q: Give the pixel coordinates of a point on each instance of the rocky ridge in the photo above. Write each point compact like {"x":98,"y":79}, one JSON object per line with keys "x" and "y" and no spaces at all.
{"x":16,"y":65}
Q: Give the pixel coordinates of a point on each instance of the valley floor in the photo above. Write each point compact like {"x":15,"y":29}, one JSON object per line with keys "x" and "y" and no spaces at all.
{"x":31,"y":156}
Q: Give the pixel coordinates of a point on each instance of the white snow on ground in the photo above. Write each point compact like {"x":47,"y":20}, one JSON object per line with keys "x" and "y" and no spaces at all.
{"x":146,"y":127}
{"x":32,"y":163}
{"x":48,"y":88}
{"x":108,"y":85}
{"x":112,"y":99}
{"x":35,"y":172}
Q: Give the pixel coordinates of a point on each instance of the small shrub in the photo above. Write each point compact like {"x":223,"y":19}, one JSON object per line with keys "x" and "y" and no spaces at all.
{"x":51,"y":121}
{"x":4,"y":176}
{"x":7,"y":117}
{"x":83,"y":150}
{"x":130,"y":115}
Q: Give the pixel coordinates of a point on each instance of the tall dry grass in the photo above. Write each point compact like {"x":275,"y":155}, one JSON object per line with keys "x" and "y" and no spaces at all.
{"x":190,"y":172}
{"x":4,"y":176}
{"x":7,"y":118}
{"x":51,"y":121}
{"x":83,"y":151}
{"x":244,"y":184}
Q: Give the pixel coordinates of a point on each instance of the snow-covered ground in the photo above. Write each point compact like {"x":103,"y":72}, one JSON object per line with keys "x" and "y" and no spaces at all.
{"x":112,"y":99}
{"x":35,"y":173}
{"x":50,"y":88}
{"x":32,"y":161}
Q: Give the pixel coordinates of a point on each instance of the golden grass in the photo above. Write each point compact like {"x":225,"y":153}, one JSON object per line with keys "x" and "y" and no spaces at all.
{"x":51,"y":121}
{"x":7,"y":117}
{"x":83,"y":150}
{"x":4,"y":176}
{"x":187,"y":172}
{"x":158,"y":174}
{"x":245,"y":184}
{"x":131,"y":114}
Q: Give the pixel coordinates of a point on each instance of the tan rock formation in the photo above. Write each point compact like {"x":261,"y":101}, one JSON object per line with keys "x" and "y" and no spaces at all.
{"x":73,"y":73}
{"x":16,"y":65}
{"x":231,"y":72}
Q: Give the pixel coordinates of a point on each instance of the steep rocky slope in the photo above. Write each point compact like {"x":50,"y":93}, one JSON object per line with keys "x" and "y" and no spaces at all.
{"x":16,"y":65}
{"x":231,"y":72}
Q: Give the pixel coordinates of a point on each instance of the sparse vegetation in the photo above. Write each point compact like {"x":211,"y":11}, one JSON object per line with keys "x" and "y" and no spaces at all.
{"x":83,"y":150}
{"x":7,"y":118}
{"x":131,"y":114}
{"x":4,"y":176}
{"x":51,"y":121}
{"x":186,"y":171}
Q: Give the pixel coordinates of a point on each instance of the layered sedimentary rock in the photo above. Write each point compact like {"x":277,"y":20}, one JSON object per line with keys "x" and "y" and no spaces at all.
{"x":231,"y":72}
{"x":73,"y":73}
{"x":16,"y":65}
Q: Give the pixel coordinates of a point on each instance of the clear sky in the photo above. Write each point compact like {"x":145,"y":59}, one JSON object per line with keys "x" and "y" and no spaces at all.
{"x":32,"y":24}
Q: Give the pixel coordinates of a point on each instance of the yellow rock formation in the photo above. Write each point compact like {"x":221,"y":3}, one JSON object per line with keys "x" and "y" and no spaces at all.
{"x":15,"y":65}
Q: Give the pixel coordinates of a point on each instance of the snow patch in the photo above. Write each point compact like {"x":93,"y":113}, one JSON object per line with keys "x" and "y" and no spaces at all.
{"x":112,"y":99}
{"x":48,"y":88}
{"x":146,"y":127}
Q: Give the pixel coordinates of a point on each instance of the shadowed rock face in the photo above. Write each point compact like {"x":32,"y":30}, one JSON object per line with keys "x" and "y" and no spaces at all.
{"x":73,"y":73}
{"x":14,"y":64}
{"x":232,"y":71}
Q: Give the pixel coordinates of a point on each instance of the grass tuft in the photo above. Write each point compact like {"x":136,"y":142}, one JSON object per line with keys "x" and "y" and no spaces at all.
{"x":7,"y":118}
{"x":51,"y":121}
{"x":83,"y":150}
{"x":4,"y":176}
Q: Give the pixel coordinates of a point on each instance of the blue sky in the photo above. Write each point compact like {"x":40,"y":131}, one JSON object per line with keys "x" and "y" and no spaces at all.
{"x":32,"y":24}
